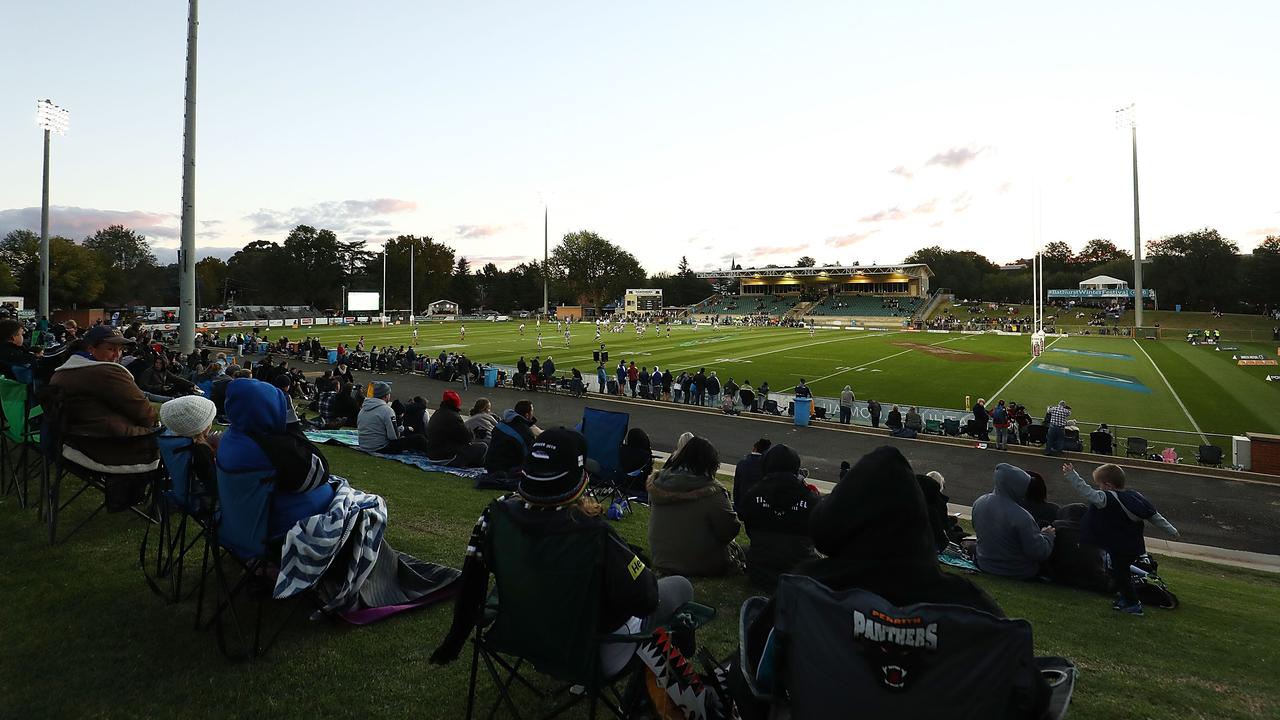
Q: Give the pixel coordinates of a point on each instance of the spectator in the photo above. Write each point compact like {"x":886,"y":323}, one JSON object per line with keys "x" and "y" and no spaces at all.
{"x":642,"y":381}
{"x":846,"y":405}
{"x":621,"y":374}
{"x":914,"y":422}
{"x":343,"y":374}
{"x":713,"y":389}
{"x":511,"y":440}
{"x":12,"y":353}
{"x":337,"y":408}
{"x":894,"y":421}
{"x":944,"y":527}
{"x":1000,"y":420}
{"x":448,"y":440}
{"x":1114,"y":522}
{"x":749,"y":470}
{"x":656,"y":380}
{"x":635,"y":462}
{"x":802,"y":390}
{"x":1076,"y":562}
{"x":667,"y":380}
{"x":873,"y":409}
{"x":685,"y":437}
{"x":1010,"y":543}
{"x":981,"y":419}
{"x":377,"y":425}
{"x":762,"y":396}
{"x":748,"y":398}
{"x":1057,"y":433}
{"x":692,"y":524}
{"x":415,"y":416}
{"x":700,"y":387}
{"x":192,"y":417}
{"x":633,"y":377}
{"x":110,"y":422}
{"x":775,"y":511}
{"x":326,"y":383}
{"x":602,"y":377}
{"x":1037,"y":502}
{"x":551,"y":499}
{"x":481,"y":421}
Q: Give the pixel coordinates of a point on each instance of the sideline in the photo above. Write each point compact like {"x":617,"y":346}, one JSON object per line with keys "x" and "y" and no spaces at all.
{"x":1186,"y":412}
{"x":1004,"y":387}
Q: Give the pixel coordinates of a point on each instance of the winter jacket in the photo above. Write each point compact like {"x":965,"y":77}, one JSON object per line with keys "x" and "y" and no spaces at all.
{"x":1010,"y":542}
{"x":894,"y":421}
{"x":109,"y":419}
{"x":1000,"y":417}
{"x":776,"y":513}
{"x":376,"y":425}
{"x":749,"y":471}
{"x":691,"y":524}
{"x":1115,"y":520}
{"x":447,"y":434}
{"x":415,"y":418}
{"x":1075,"y":562}
{"x":481,"y":425}
{"x":506,"y":453}
{"x":914,"y":421}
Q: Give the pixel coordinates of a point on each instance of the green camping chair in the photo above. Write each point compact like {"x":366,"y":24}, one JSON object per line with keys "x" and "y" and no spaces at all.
{"x":19,"y":438}
{"x":933,"y":427}
{"x":543,"y":613}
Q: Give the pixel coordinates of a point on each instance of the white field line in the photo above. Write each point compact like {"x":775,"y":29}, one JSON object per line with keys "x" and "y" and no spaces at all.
{"x":820,"y":342}
{"x":879,"y":360}
{"x":1186,"y":412}
{"x":1004,"y":387}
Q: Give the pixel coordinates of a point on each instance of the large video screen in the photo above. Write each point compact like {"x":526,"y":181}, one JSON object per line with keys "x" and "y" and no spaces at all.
{"x":362,"y":301}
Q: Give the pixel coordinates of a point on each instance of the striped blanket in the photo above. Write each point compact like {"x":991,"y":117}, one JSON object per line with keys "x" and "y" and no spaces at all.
{"x":350,"y":438}
{"x":342,"y":556}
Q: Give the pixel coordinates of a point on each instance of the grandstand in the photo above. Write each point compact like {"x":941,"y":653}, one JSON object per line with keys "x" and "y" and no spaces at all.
{"x":870,"y":295}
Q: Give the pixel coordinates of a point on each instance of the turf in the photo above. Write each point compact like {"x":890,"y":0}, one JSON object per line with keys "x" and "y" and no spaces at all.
{"x":83,"y":636}
{"x":1234,"y":326}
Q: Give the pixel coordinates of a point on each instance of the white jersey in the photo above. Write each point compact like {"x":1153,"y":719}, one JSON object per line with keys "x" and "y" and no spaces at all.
{"x":539,"y":342}
{"x":522,"y":329}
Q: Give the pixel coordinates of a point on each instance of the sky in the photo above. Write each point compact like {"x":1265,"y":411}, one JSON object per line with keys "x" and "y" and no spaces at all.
{"x":714,"y":130}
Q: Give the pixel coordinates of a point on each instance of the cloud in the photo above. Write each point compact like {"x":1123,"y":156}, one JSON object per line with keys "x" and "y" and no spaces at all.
{"x":78,"y":222}
{"x":471,"y":232}
{"x":210,"y":223}
{"x":504,"y":262}
{"x":925,"y":207}
{"x":902,"y":171}
{"x":850,"y":239}
{"x":893,"y":213}
{"x":763,"y":250}
{"x":961,"y":202}
{"x":1266,"y":231}
{"x":956,"y":157}
{"x":169,"y":255}
{"x":349,"y":217}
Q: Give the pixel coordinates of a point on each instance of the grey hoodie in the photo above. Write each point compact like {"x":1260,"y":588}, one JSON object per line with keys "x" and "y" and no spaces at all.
{"x":376,"y":424}
{"x":1009,"y":542}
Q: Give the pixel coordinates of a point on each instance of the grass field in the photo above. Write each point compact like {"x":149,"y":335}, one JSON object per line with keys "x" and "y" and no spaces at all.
{"x":84,"y":638}
{"x":1120,"y":381}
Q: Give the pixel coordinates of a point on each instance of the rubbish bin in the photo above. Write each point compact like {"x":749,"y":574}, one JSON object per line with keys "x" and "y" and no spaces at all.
{"x":262,"y":348}
{"x":804,"y":407}
{"x":333,"y":357}
{"x":491,"y":377}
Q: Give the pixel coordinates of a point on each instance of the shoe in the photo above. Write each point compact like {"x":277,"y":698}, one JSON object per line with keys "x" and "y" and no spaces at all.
{"x":1134,"y":609}
{"x":1118,"y":603}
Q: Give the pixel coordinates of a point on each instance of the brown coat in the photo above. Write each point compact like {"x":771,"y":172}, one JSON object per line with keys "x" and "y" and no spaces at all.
{"x":114,"y":419}
{"x":691,"y":525}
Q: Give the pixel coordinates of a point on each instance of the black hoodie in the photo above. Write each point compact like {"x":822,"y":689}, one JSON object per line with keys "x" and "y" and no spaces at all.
{"x":776,"y":512}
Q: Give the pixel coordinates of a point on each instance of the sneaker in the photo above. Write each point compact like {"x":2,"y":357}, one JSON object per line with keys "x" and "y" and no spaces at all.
{"x":1118,"y":603}
{"x":1134,"y":609}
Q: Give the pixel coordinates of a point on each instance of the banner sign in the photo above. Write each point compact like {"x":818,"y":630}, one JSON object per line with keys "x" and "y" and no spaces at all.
{"x":275,"y":323}
{"x":1248,"y":357}
{"x":308,"y":321}
{"x":1101,"y":293}
{"x":1257,"y":362}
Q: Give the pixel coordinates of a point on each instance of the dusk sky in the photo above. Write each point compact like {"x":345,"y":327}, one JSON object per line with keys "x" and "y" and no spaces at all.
{"x":852,"y":132}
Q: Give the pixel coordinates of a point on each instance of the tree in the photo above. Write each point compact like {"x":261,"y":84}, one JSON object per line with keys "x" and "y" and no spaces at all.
{"x":315,"y":262}
{"x":20,"y":252}
{"x":211,"y":281}
{"x":126,"y":260}
{"x":462,"y":286}
{"x":806,"y":261}
{"x":1198,"y":270}
{"x":683,"y":268}
{"x":76,"y":274}
{"x":1057,"y":257}
{"x":963,"y":271}
{"x":256,"y":270}
{"x":1100,"y":251}
{"x":432,"y":272}
{"x":1262,"y":274}
{"x":594,"y":270}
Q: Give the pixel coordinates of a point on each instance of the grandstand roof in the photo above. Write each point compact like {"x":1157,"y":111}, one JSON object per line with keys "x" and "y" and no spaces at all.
{"x":830,"y":270}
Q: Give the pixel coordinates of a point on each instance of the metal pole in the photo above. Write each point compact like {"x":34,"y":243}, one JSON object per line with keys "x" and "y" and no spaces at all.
{"x":1137,"y":237}
{"x":383,"y":303}
{"x":187,"y":258}
{"x":44,"y":234}
{"x":411,"y":254}
{"x":545,"y":266}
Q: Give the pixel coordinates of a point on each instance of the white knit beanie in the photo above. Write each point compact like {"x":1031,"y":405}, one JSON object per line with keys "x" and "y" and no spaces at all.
{"x":937,"y":476}
{"x":188,"y":416}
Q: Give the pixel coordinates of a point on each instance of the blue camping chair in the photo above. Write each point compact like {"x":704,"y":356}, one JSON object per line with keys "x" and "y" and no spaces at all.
{"x":604,"y":431}
{"x":184,"y":516}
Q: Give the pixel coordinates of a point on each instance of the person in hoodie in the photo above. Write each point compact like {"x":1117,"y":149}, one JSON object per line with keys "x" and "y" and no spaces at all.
{"x":692,"y":523}
{"x":775,"y":511}
{"x":511,"y":440}
{"x":110,"y":422}
{"x":1075,"y":562}
{"x":449,"y":442}
{"x":377,"y":427}
{"x":1010,"y":542}
{"x":415,"y":416}
{"x":261,"y":437}
{"x":635,"y":462}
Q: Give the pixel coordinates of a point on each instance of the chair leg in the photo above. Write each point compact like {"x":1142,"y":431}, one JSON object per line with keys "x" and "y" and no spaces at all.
{"x":471,"y":687}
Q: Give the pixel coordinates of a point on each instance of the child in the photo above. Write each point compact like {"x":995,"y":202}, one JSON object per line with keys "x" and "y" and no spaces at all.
{"x":1114,"y":523}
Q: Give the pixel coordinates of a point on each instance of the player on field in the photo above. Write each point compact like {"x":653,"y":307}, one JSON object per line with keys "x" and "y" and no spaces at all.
{"x":521,"y":329}
{"x":462,"y":332}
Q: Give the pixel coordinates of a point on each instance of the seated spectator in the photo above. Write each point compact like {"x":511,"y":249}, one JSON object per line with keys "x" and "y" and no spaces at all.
{"x":338,"y":408}
{"x":481,"y":420}
{"x":377,"y":425}
{"x":692,"y":524}
{"x":449,"y":442}
{"x":326,"y":382}
{"x":749,"y":471}
{"x":415,"y":416}
{"x":914,"y":421}
{"x":551,"y":499}
{"x":1074,"y":561}
{"x":110,"y":422}
{"x":775,"y":512}
{"x":262,"y":438}
{"x":635,"y":462}
{"x":1010,"y":542}
{"x":1037,"y":503}
{"x":894,"y":419}
{"x":192,"y":417}
{"x":511,"y":440}
{"x":944,"y":527}
{"x":12,"y":352}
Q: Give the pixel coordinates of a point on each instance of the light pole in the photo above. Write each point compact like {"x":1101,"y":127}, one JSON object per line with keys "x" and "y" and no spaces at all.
{"x":50,"y":118}
{"x":383,"y":302}
{"x":1128,"y":116}
{"x":412,"y":250}
{"x":546,"y":268}
{"x":187,"y":256}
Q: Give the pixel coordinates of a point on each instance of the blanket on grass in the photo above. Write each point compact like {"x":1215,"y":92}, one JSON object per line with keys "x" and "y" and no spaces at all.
{"x":341,"y":555}
{"x":351,"y":439}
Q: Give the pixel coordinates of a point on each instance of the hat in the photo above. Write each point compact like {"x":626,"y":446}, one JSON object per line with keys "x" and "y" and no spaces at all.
{"x":105,"y":333}
{"x":554,"y":473}
{"x":452,"y":399}
{"x":381,"y":389}
{"x":188,"y":416}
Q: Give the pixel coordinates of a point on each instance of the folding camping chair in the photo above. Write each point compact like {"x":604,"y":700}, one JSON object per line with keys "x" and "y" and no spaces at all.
{"x":184,"y":516}
{"x":1037,"y":434}
{"x":951,"y":427}
{"x":1135,"y":447}
{"x":933,"y":427}
{"x":1101,"y":442}
{"x":19,"y":438}
{"x":923,"y":660}
{"x":604,"y":431}
{"x":133,"y":491}
{"x":1209,"y":455}
{"x":544,"y":613}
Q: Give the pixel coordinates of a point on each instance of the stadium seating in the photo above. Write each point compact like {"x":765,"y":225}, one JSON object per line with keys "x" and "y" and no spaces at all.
{"x":746,"y":305}
{"x":867,"y":306}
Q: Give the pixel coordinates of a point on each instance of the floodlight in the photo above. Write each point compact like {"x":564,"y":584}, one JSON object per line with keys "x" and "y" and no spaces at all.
{"x":1127,"y":116}
{"x":51,"y":117}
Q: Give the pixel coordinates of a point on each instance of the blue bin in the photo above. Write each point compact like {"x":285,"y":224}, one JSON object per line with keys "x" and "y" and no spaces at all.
{"x":804,"y":408}
{"x":491,"y":377}
{"x":262,"y":348}
{"x":333,"y":357}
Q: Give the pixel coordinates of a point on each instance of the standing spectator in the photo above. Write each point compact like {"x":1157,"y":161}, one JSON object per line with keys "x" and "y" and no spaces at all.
{"x":748,"y":397}
{"x":621,"y":374}
{"x":762,"y":396}
{"x":700,"y":387}
{"x":633,"y":377}
{"x":981,"y":418}
{"x":549,"y":373}
{"x":602,"y":376}
{"x":730,"y":388}
{"x":1010,"y":543}
{"x":873,"y":409}
{"x":667,"y":380}
{"x":749,"y":470}
{"x":802,"y":390}
{"x":775,"y":511}
{"x":656,"y":381}
{"x":846,"y":405}
{"x":692,"y":524}
{"x":1057,"y":433}
{"x":713,"y":389}
{"x":642,"y":381}
{"x":1000,"y":420}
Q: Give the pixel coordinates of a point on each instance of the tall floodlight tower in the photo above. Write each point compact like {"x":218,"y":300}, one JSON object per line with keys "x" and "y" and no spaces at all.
{"x":546,"y":267}
{"x":1128,"y":116}
{"x":187,"y":256}
{"x":51,"y":119}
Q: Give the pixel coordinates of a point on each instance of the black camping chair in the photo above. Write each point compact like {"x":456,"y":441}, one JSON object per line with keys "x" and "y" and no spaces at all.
{"x":1135,"y":447}
{"x":1209,"y":455}
{"x":920,"y":666}
{"x":1101,"y":442}
{"x":1037,"y":434}
{"x":120,"y":491}
{"x":951,"y":427}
